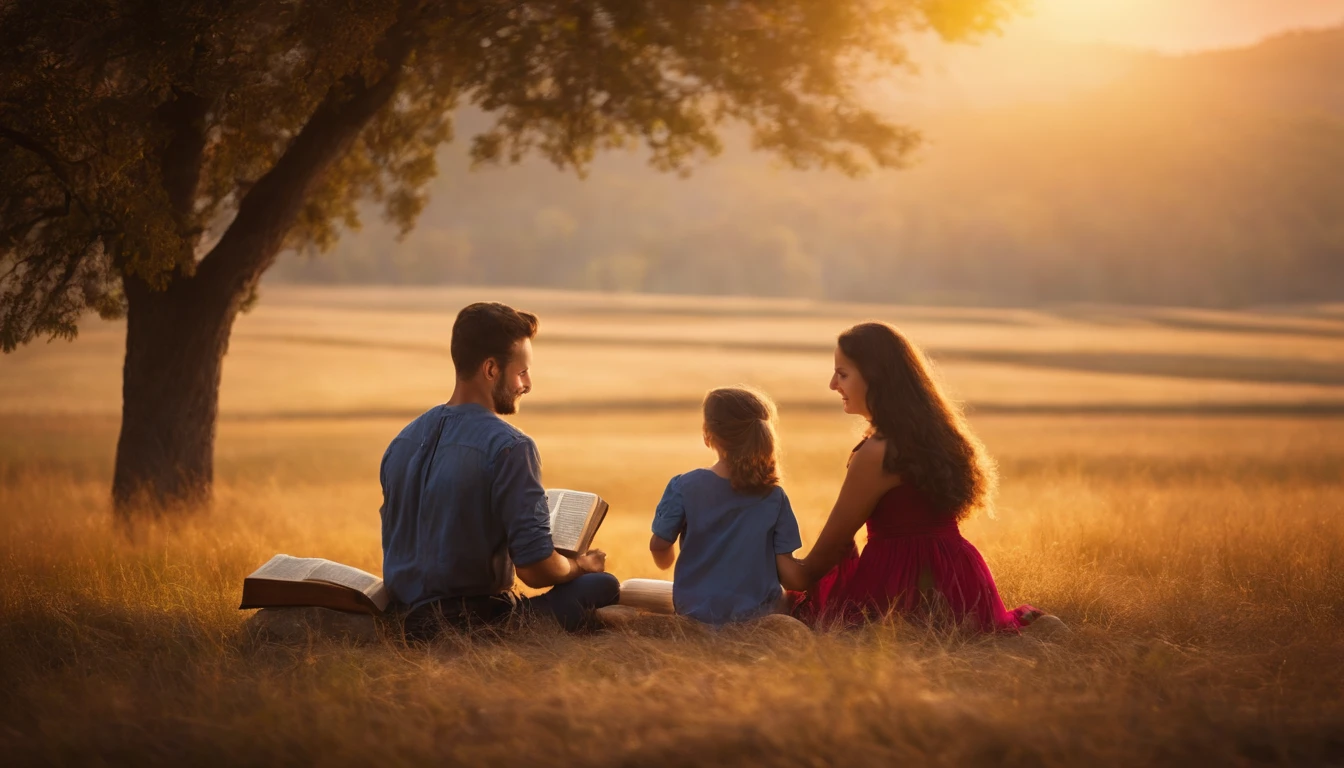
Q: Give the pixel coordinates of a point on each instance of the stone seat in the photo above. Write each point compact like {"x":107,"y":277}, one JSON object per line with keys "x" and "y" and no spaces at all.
{"x":298,"y":625}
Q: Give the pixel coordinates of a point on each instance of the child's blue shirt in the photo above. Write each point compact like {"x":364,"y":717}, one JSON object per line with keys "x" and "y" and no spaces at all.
{"x":726,"y":570}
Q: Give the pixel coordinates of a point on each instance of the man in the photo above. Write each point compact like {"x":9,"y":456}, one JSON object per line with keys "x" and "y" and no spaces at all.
{"x":463,"y":504}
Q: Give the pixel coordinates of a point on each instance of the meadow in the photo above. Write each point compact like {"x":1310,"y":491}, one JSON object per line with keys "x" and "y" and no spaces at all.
{"x":1172,"y":488}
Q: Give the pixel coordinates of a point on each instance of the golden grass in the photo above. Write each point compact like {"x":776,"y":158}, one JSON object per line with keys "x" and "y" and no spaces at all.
{"x":1198,"y":561}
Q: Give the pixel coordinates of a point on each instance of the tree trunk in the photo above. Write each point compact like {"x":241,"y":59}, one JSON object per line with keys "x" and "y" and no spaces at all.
{"x":176,"y":337}
{"x":175,"y":344}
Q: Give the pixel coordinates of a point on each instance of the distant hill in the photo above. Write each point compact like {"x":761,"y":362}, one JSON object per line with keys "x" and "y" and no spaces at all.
{"x":1299,"y":72}
{"x":1214,"y":179}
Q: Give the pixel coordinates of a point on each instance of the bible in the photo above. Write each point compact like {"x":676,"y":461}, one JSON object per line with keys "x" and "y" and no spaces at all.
{"x":575,"y":518}
{"x":294,"y":582}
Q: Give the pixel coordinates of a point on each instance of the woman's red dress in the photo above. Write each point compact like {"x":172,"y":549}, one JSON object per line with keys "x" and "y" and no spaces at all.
{"x":917,"y":564}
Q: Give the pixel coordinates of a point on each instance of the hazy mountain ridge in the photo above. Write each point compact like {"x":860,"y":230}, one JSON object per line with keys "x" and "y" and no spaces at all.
{"x":1207,"y":179}
{"x":1296,"y":72}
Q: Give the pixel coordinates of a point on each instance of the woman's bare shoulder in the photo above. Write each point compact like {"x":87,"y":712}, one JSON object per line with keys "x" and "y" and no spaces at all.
{"x":869,"y":456}
{"x":867,"y":470}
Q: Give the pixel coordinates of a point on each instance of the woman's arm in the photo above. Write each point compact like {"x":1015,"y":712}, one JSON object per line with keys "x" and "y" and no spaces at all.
{"x":865,"y":483}
{"x":662,"y":551}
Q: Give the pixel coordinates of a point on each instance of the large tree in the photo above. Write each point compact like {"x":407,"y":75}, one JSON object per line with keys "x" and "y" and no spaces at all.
{"x":156,"y":157}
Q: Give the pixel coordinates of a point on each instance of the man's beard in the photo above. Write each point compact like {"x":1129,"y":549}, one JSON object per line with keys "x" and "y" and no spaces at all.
{"x":506,"y":402}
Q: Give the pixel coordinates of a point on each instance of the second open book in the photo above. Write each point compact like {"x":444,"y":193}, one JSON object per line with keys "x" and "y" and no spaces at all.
{"x":575,"y":518}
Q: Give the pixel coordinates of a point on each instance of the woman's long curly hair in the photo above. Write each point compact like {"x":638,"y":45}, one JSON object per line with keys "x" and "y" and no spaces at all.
{"x":929,"y":444}
{"x":741,"y":424}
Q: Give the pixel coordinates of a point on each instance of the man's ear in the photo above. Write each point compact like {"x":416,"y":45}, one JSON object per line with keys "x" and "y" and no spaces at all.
{"x":491,"y":369}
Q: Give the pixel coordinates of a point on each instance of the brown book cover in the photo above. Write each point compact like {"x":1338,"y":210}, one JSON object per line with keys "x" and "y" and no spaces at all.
{"x":293,"y":582}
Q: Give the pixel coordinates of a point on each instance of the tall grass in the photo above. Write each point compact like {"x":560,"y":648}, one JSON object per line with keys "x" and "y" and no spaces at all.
{"x":1198,"y":563}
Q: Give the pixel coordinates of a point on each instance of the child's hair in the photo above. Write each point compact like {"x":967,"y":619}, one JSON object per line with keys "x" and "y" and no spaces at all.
{"x":741,"y":423}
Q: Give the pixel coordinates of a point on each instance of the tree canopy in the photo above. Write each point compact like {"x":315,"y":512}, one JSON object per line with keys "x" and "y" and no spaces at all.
{"x":156,"y":158}
{"x":193,"y":140}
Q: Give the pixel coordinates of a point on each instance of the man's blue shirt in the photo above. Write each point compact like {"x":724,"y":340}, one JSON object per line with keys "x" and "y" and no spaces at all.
{"x":462,"y":502}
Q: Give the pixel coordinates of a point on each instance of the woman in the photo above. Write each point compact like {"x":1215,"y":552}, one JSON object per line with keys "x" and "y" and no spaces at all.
{"x":918,"y":472}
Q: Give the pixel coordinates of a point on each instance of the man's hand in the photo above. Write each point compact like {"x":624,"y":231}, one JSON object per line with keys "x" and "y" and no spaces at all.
{"x":592,"y":561}
{"x":558,"y":569}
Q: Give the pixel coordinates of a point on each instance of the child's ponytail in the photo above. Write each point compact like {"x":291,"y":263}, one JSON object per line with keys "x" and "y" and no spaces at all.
{"x":742,"y":425}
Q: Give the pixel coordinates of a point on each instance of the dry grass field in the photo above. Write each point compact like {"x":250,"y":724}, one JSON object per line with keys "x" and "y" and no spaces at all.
{"x":1173,"y":484}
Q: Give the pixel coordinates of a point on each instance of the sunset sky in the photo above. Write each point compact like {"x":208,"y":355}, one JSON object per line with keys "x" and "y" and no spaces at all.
{"x":1056,"y":48}
{"x":1174,"y":25}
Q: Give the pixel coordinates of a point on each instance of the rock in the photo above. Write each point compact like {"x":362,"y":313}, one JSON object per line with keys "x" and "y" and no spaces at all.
{"x":298,"y":625}
{"x":782,"y":623}
{"x":615,"y":616}
{"x":784,"y":627}
{"x":1047,"y":627}
{"x":624,"y":618}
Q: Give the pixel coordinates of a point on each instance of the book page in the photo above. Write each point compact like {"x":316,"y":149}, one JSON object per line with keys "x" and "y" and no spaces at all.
{"x":344,"y":576}
{"x":380,"y":595}
{"x":569,"y":514}
{"x":286,"y":568}
{"x":653,"y":595}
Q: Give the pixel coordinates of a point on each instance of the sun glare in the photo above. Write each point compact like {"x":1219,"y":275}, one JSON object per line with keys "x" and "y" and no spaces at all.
{"x":1175,"y":25}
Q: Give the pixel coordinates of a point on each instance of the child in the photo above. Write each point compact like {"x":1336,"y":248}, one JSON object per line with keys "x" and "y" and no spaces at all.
{"x":733,"y":519}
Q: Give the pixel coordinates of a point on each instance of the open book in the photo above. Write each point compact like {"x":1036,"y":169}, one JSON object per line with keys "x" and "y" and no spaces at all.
{"x":575,"y":518}
{"x":292,"y":582}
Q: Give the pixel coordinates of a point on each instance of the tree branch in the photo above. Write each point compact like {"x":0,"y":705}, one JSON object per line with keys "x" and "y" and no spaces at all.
{"x":36,"y":147}
{"x":18,"y":232}
{"x":270,"y":208}
{"x":54,"y":294}
{"x":181,"y":159}
{"x":54,"y":162}
{"x":14,"y":268}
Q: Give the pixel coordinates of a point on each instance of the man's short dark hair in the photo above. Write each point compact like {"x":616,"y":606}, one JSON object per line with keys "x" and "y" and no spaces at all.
{"x":488,"y":329}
